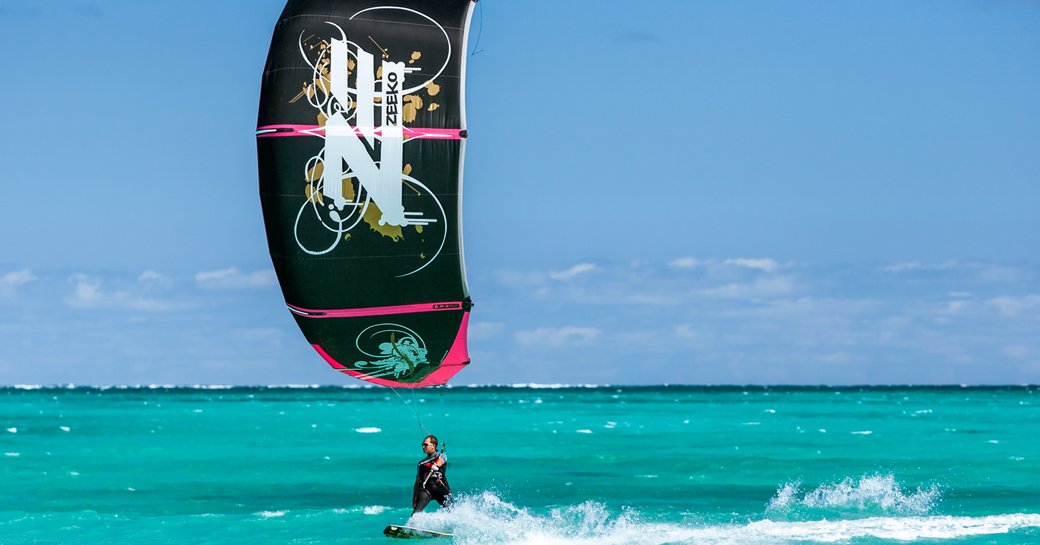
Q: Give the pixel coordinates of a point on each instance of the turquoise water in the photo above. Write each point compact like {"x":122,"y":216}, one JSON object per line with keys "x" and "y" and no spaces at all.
{"x":607,"y":465}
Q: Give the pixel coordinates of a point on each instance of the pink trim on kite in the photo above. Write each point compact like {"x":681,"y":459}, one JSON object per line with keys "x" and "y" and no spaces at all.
{"x":457,"y":358}
{"x":374,"y":311}
{"x":270,"y":131}
{"x":454,"y":361}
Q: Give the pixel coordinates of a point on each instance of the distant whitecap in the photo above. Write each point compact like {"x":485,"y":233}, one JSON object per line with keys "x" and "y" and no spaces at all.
{"x":864,"y":432}
{"x":13,"y":454}
{"x":375,"y":509}
{"x":272,"y":514}
{"x":65,"y":428}
{"x":368,"y":430}
{"x":582,"y":431}
{"x":12,"y":430}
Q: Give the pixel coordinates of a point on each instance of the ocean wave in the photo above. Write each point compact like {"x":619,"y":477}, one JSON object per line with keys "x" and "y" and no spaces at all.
{"x":487,"y":519}
{"x":869,"y":493}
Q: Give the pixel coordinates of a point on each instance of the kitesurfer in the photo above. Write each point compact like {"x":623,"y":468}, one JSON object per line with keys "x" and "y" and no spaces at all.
{"x":430,"y":481}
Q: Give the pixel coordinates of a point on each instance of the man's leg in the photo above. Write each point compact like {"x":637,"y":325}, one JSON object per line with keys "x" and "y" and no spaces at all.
{"x":419,"y":500}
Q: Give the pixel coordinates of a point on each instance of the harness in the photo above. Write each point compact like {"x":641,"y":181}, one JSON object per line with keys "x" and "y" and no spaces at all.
{"x":436,"y":474}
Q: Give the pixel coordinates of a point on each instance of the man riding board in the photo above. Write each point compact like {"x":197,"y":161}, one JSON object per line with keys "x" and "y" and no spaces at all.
{"x":430,"y":480}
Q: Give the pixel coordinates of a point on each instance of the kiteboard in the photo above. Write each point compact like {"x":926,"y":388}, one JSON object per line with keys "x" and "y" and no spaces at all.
{"x":407,"y":532}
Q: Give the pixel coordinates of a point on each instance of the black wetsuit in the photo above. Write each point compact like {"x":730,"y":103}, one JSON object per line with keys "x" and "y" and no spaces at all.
{"x":430,"y":484}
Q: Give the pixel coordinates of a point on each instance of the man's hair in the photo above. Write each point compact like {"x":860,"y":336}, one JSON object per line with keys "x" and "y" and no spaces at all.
{"x":432,"y":439}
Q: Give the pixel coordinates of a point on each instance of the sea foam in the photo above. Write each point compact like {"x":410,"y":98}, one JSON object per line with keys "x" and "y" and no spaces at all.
{"x":487,"y":519}
{"x":867,"y":494}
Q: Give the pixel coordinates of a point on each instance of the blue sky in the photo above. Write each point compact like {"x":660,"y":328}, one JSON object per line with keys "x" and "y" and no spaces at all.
{"x":666,"y":192}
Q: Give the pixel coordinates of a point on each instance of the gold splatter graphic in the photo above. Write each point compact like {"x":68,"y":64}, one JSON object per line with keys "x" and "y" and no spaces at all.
{"x":348,"y":189}
{"x":372,"y":216}
{"x":416,"y":55}
{"x":412,"y":103}
{"x":346,"y":236}
{"x":418,"y":229}
{"x":432,"y":88}
{"x":433,"y":107}
{"x":321,"y":119}
{"x":312,"y":195}
{"x":314,"y":174}
{"x":407,"y":170}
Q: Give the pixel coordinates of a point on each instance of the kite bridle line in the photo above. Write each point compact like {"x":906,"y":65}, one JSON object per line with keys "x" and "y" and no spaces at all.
{"x":441,"y":444}
{"x":415,"y":411}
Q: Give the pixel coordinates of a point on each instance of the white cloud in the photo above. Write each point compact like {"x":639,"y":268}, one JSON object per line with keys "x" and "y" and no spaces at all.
{"x":88,"y":294}
{"x":686,"y":332}
{"x":572,"y":272}
{"x":154,"y":280}
{"x":917,"y":265}
{"x":150,"y":276}
{"x":1015,"y":305}
{"x":1019,"y":351}
{"x":232,"y":278}
{"x":646,"y":299}
{"x":520,"y":279}
{"x":762,"y":287}
{"x":556,"y":337}
{"x":1000,"y":273}
{"x":10,"y":281}
{"x":684,"y":263}
{"x":904,"y":266}
{"x":764,"y":264}
{"x":479,"y":331}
